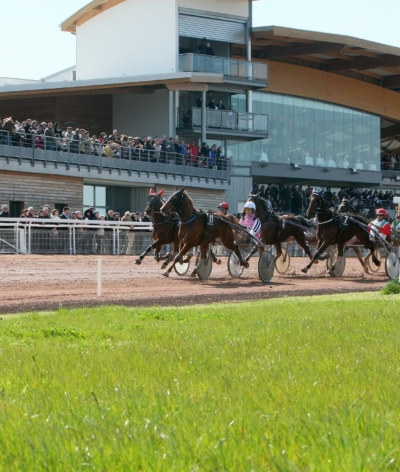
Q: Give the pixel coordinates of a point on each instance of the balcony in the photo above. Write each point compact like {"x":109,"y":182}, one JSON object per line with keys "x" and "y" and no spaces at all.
{"x":61,"y":157}
{"x":225,"y":123}
{"x":232,"y":69}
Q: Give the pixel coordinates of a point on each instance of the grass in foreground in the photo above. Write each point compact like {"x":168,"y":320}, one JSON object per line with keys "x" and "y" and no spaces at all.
{"x":289,"y":384}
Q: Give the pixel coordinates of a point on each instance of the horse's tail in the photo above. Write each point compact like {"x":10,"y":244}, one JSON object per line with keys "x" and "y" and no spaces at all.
{"x":303,"y":221}
{"x":232,"y":218}
{"x":358,"y":217}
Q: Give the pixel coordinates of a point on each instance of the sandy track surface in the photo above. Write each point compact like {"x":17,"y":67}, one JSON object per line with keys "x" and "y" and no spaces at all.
{"x":36,"y":283}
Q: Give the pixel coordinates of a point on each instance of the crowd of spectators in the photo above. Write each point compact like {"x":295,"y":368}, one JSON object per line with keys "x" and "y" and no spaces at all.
{"x":132,"y":239}
{"x":49,"y":136}
{"x":390,"y":161}
{"x":294,"y":198}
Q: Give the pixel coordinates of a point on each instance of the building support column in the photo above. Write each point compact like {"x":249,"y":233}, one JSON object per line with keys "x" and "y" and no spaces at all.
{"x":176,"y":108}
{"x":249,"y":101}
{"x":171,"y":114}
{"x":248,"y":41}
{"x":203,"y":117}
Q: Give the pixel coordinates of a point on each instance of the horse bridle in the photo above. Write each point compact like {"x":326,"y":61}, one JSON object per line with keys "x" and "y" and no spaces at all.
{"x":150,"y":203}
{"x":324,"y":210}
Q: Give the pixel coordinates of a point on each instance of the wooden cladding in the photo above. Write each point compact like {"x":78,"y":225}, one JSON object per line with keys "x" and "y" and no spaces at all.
{"x":36,"y":190}
{"x":91,"y":112}
{"x":303,"y":82}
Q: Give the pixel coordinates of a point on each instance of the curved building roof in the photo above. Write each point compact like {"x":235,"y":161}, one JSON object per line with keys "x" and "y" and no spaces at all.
{"x":92,"y":9}
{"x":375,"y":63}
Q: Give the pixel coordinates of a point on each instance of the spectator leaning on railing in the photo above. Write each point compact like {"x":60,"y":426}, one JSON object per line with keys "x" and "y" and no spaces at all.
{"x":50,"y":137}
{"x":45,"y":136}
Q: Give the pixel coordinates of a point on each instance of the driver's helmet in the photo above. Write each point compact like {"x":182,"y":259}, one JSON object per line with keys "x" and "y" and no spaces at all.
{"x":250,"y":205}
{"x":223,"y":205}
{"x":381,"y":211}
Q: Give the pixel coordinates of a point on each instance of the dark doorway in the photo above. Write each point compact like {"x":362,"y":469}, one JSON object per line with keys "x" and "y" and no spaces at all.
{"x":16,"y":209}
{"x":60,"y":207}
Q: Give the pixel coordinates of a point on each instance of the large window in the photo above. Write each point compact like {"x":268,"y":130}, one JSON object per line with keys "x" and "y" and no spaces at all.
{"x":94,"y":196}
{"x":311,"y":133}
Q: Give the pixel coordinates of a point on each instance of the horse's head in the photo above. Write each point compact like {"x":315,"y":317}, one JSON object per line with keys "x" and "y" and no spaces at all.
{"x":345,"y":206}
{"x":154,"y":201}
{"x":315,"y":200}
{"x":174,"y":202}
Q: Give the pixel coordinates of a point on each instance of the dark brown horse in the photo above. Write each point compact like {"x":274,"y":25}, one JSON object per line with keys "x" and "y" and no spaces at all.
{"x":195,"y":229}
{"x":165,"y":229}
{"x":276,"y":230}
{"x":346,"y":208}
{"x":331,"y":230}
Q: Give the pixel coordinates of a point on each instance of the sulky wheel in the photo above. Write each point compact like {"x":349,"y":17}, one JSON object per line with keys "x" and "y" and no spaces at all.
{"x":282,"y":263}
{"x":266,"y":266}
{"x":371,"y":265}
{"x":182,"y":268}
{"x":392,"y":264}
{"x":204,"y":270}
{"x":340,"y":264}
{"x":234,"y":267}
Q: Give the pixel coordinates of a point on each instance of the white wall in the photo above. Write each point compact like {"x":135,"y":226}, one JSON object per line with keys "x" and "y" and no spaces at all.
{"x":230,"y":7}
{"x":139,"y":115}
{"x":136,"y":37}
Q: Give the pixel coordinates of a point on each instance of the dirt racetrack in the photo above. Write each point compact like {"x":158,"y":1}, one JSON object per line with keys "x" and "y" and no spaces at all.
{"x":39,"y":282}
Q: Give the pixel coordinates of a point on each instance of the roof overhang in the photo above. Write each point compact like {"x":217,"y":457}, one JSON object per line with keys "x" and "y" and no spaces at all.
{"x":89,"y":11}
{"x":372,"y":62}
{"x":113,"y":85}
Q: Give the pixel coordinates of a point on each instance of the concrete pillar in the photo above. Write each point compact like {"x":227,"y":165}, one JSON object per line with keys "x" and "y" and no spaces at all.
{"x":203,"y":117}
{"x":171,"y":114}
{"x":249,"y":101}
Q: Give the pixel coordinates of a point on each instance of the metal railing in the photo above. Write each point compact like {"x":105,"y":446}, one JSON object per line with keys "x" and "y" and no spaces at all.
{"x":104,"y":157}
{"x":55,"y":236}
{"x":232,"y":68}
{"x":226,"y":120}
{"x":391,"y":167}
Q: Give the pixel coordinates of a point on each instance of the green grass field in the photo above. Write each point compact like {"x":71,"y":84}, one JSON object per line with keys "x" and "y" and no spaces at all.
{"x":309,"y":384}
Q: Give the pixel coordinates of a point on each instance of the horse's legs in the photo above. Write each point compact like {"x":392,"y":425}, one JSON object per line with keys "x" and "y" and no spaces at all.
{"x":203,"y":256}
{"x":177,"y":258}
{"x":363,"y":261}
{"x":371,"y":247}
{"x":155,"y":245}
{"x":340,"y":247}
{"x":302,"y":243}
{"x":169,"y":256}
{"x":252,"y":252}
{"x":214,"y":257}
{"x":278,"y":248}
{"x":322,"y":247}
{"x":229,"y":243}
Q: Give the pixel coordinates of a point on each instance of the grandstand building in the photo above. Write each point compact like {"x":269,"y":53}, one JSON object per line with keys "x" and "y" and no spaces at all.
{"x":300,"y":107}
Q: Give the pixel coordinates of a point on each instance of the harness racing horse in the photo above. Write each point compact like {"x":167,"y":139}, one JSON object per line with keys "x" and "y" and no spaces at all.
{"x":331,"y":231}
{"x":165,"y":229}
{"x":194,"y":229}
{"x":346,"y":208}
{"x":276,"y":230}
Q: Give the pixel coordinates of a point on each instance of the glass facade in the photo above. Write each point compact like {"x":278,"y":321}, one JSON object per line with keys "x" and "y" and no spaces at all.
{"x":308,"y":132}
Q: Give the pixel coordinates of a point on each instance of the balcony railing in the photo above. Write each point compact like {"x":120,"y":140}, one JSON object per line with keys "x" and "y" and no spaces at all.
{"x":109,"y":158}
{"x":231,"y":68}
{"x":226,"y":120}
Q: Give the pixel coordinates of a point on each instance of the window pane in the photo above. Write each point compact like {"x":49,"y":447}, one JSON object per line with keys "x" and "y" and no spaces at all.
{"x":88,"y":195}
{"x":100,"y":200}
